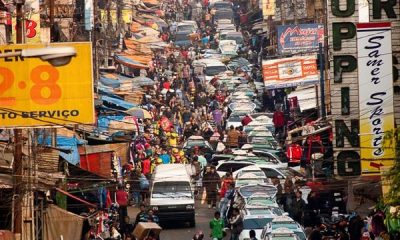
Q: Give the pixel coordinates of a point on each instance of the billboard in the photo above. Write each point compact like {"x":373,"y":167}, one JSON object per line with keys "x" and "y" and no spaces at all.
{"x":35,"y":93}
{"x":300,"y":37}
{"x":290,"y":72}
{"x":375,"y":82}
{"x":268,"y":8}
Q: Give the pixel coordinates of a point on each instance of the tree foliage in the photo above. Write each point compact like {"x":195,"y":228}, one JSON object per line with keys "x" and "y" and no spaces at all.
{"x":393,"y":175}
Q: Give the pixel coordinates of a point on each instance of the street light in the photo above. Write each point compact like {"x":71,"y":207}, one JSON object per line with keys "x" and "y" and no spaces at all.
{"x":56,"y":56}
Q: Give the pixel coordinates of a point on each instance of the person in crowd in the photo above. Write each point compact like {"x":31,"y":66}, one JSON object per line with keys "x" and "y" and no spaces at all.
{"x":242,"y":138}
{"x":297,"y":207}
{"x":279,"y":121}
{"x":122,"y":198}
{"x":141,"y":215}
{"x":313,"y":206}
{"x":217,"y":227}
{"x":226,"y":200}
{"x":129,"y":227}
{"x":135,"y":186}
{"x":198,"y":236}
{"x":165,"y":157}
{"x":211,"y":182}
{"x":236,"y":223}
{"x":232,"y":139}
{"x":287,"y":199}
{"x":252,"y":235}
{"x":151,"y":217}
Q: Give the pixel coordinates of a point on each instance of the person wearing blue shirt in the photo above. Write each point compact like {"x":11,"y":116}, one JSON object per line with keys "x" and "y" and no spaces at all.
{"x":166,"y":159}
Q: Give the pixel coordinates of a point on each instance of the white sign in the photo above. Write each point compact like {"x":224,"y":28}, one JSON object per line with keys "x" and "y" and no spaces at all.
{"x":89,"y":15}
{"x":375,"y":74}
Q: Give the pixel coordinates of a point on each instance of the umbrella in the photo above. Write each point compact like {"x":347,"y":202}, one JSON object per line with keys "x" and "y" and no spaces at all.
{"x":138,"y":112}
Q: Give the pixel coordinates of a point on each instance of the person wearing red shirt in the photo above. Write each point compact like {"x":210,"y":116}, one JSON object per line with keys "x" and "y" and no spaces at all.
{"x":146,"y":166}
{"x":122,"y":200}
{"x":246,"y":120}
{"x":279,"y":121}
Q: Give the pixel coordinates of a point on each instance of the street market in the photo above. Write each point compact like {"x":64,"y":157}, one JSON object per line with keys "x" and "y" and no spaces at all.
{"x":196,"y":119}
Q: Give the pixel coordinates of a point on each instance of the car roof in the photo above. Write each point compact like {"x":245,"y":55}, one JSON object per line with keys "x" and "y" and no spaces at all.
{"x":209,"y":62}
{"x":196,"y":138}
{"x":282,"y":218}
{"x":171,"y":172}
{"x":184,"y":32}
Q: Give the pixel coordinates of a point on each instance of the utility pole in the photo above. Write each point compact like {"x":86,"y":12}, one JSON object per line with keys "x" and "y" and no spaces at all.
{"x":51,"y":6}
{"x":18,"y":169}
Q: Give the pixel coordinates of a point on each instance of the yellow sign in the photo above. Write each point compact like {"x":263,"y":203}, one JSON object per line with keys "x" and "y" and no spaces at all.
{"x":268,"y":8}
{"x":35,"y":93}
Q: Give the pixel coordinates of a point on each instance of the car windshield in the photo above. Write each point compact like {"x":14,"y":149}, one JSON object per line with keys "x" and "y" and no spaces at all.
{"x":283,"y":238}
{"x":192,"y":143}
{"x":238,"y":39}
{"x":222,"y":5}
{"x":289,"y":225}
{"x":171,"y":190}
{"x":182,"y":37}
{"x":185,"y":28}
{"x":214,"y":70}
{"x":256,"y":223}
{"x":223,"y":15}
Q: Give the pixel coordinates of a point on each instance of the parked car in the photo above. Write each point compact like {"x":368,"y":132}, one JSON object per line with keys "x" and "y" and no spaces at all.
{"x":282,"y":234}
{"x":221,"y":5}
{"x":284,"y":222}
{"x":250,"y":175}
{"x":228,"y":48}
{"x":211,"y":67}
{"x":197,"y":141}
{"x":223,"y":14}
{"x":182,"y":39}
{"x":230,"y":35}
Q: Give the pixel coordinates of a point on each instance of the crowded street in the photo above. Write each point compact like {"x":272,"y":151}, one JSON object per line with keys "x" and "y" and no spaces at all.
{"x":199,"y":119}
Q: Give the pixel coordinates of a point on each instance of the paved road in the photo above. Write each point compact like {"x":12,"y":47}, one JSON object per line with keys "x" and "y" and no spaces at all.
{"x":181,"y":231}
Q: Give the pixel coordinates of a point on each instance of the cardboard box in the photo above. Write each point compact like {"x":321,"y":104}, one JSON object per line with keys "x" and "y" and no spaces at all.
{"x":143,"y":228}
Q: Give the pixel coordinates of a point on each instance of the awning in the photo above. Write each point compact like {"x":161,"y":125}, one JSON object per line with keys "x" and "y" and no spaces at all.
{"x":61,"y":223}
{"x":117,"y":102}
{"x":129,"y":62}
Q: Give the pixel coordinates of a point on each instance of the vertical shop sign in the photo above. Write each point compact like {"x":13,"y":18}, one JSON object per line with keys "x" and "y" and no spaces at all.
{"x":375,"y":76}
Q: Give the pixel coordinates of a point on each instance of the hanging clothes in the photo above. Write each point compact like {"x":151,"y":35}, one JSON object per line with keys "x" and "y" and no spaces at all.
{"x":294,"y":153}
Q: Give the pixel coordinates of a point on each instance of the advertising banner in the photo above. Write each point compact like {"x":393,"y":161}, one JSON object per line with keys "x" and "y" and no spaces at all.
{"x":300,"y":37}
{"x":35,"y":93}
{"x":375,"y":83}
{"x":268,"y":8}
{"x":32,"y":23}
{"x":290,"y":72}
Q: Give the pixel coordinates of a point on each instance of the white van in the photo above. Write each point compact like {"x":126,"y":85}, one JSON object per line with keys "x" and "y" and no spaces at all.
{"x":171,"y":194}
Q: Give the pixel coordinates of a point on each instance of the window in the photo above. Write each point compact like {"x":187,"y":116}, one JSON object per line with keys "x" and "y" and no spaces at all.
{"x":214,"y":70}
{"x":232,"y":167}
{"x":271,"y":173}
{"x":172,"y":189}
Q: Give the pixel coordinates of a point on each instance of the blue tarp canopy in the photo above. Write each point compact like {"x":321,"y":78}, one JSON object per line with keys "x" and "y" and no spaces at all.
{"x":117,"y":103}
{"x":67,"y":143}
